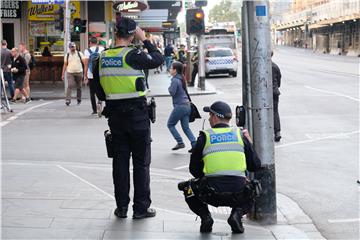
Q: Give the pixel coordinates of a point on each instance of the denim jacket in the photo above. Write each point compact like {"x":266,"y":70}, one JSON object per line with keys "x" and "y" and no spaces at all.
{"x":177,"y":91}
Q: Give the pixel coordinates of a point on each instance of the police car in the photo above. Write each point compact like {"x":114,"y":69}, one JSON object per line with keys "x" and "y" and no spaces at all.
{"x":220,"y":61}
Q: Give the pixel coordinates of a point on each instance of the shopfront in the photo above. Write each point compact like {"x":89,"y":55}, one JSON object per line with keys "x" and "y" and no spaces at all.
{"x":10,"y":22}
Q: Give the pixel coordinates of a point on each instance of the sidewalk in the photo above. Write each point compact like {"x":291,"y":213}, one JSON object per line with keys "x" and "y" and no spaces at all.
{"x":73,"y":200}
{"x":158,"y":83}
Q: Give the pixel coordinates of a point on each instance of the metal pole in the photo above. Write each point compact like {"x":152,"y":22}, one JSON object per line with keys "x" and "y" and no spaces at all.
{"x":262,"y":107}
{"x":67,"y":35}
{"x":201,"y":55}
{"x":246,"y":68}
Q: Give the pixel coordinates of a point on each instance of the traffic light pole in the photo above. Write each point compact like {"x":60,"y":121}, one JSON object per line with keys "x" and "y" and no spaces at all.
{"x":201,"y":56}
{"x":262,"y":106}
{"x":67,"y":35}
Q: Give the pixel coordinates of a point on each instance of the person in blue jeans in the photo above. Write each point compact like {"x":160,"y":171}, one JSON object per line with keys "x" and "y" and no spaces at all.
{"x":182,"y":109}
{"x":168,"y":53}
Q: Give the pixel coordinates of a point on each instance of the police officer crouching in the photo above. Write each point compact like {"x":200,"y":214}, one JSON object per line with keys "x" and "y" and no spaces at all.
{"x":121,"y":84}
{"x":218,"y":162}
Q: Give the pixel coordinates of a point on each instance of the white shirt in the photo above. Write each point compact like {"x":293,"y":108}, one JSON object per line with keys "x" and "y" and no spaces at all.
{"x":87,"y":56}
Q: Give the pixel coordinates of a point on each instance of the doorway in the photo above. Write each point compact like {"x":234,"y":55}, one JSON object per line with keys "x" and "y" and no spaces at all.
{"x":10,"y":31}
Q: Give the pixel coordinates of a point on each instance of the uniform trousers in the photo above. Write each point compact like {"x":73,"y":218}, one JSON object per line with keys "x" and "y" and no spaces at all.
{"x":277,"y":127}
{"x":130,"y":129}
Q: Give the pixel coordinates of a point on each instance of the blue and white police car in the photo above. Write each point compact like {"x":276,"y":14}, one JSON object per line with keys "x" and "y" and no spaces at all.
{"x":220,"y":61}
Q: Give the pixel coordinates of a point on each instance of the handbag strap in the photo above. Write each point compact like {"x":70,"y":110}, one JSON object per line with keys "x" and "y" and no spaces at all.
{"x":186,"y":91}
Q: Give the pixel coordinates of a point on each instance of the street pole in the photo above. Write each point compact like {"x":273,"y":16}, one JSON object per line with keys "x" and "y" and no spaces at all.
{"x":201,"y":55}
{"x":262,"y":107}
{"x":67,"y":35}
{"x":246,"y":78}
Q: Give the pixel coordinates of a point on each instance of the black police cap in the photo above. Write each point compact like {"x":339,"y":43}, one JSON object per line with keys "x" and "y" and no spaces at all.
{"x":126,"y":26}
{"x":220,"y":109}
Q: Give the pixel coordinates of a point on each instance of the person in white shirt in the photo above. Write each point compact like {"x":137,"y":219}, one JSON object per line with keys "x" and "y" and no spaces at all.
{"x":90,"y":53}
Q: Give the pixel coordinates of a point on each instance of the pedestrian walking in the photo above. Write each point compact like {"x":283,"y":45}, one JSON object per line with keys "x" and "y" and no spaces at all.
{"x":90,"y":55}
{"x":27,"y":56}
{"x":195,"y":70}
{"x":74,"y":68}
{"x":276,"y":78}
{"x":18,"y":70}
{"x":6,"y":60}
{"x":181,"y":103}
{"x":121,"y":83}
{"x":219,"y":162}
{"x":169,"y":54}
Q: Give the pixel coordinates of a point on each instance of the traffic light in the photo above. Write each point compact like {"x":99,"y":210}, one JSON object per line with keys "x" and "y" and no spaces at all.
{"x":59,"y":19}
{"x":195,"y":23}
{"x":79,"y":25}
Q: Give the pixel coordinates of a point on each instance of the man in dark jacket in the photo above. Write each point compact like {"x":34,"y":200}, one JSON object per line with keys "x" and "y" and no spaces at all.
{"x":276,"y":78}
{"x":18,"y":69}
{"x":123,"y":88}
{"x":219,"y":161}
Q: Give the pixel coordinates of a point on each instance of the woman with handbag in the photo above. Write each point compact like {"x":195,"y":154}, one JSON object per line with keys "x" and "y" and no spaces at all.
{"x":181,"y":103}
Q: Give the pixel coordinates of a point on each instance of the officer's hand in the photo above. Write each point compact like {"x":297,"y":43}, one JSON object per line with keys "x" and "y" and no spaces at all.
{"x":139,"y":34}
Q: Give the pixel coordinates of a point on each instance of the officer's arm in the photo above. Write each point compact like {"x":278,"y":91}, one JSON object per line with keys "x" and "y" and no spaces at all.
{"x":138,"y":59}
{"x":196,"y":163}
{"x":253,"y":162}
{"x":99,"y":91}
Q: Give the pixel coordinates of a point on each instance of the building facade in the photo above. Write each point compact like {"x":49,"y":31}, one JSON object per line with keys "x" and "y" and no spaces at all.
{"x":327,"y":26}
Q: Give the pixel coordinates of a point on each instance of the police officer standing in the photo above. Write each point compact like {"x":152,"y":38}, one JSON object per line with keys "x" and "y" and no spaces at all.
{"x":218,"y":162}
{"x":124,"y":89}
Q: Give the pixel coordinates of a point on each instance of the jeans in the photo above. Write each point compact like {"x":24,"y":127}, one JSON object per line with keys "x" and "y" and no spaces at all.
{"x":168,"y":61}
{"x":181,"y":113}
{"x":9,"y":79}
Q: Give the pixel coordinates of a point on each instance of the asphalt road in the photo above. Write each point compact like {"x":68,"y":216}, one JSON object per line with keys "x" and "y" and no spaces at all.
{"x":317,"y":160}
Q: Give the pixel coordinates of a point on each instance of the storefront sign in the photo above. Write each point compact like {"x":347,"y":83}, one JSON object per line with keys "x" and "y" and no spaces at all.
{"x":10,"y":9}
{"x":46,"y":12}
{"x":129,"y":6}
{"x":47,"y":1}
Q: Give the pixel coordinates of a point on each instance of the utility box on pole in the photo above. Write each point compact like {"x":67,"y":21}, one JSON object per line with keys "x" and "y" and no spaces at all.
{"x":259,"y":43}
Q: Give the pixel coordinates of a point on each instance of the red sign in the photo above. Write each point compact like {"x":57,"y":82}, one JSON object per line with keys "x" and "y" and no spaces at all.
{"x":130,"y":6}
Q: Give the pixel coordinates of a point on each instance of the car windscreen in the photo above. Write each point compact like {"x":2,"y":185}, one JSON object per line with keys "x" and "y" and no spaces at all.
{"x":219,"y":53}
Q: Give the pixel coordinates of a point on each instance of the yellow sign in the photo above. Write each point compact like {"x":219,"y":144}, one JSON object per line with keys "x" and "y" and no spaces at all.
{"x":46,"y":12}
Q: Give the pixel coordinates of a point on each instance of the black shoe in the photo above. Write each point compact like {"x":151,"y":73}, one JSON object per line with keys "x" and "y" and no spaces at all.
{"x":28,"y":100}
{"x":190,"y":150}
{"x":235,"y":221}
{"x":190,"y":85}
{"x":78,"y":102}
{"x":121,"y":212}
{"x":150,"y":212}
{"x":178,"y":146}
{"x":67,"y":102}
{"x":277,"y":137}
{"x":94,"y":113}
{"x":206,"y":223}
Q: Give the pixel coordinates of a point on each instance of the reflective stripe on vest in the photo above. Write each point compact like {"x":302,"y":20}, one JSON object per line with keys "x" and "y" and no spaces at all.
{"x":223,"y":153}
{"x":117,"y":78}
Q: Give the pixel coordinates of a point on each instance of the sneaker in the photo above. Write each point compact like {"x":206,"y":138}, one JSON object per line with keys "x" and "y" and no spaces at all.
{"x":99,"y":109}
{"x":206,"y":224}
{"x":235,"y":221}
{"x":150,"y":212}
{"x":178,"y":146}
{"x":277,"y":137}
{"x":27,"y":100}
{"x":13,"y":100}
{"x":94,"y":113}
{"x":67,"y":102}
{"x":190,"y":150}
{"x":121,"y":212}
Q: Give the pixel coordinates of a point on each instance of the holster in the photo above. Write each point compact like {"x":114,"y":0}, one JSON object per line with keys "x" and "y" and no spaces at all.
{"x":109,"y":143}
{"x":152,"y":110}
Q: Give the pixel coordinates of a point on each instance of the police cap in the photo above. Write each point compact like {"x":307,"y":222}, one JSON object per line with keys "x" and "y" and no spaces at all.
{"x":125,"y":26}
{"x":220,"y":109}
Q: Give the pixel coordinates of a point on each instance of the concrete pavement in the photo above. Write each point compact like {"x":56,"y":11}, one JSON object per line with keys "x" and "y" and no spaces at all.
{"x":63,"y":200}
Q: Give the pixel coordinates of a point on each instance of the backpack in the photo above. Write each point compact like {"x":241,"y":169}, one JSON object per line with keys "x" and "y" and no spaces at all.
{"x":32,"y":62}
{"x":78,"y":53}
{"x":93,"y":56}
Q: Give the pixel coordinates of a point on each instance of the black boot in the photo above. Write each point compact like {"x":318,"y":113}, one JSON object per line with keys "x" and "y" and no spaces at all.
{"x":235,"y":220}
{"x":121,"y":212}
{"x":206,"y":223}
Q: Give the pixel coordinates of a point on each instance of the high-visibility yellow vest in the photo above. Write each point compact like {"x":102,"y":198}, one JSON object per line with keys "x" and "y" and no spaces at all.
{"x":223,"y":153}
{"x":117,"y":78}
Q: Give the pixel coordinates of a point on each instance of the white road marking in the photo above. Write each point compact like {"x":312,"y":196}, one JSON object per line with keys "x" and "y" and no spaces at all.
{"x":317,"y":139}
{"x":334,"y":93}
{"x":86,"y":182}
{"x":347,"y":220}
{"x":181,"y":167}
{"x":308,"y":136}
{"x":17,"y":115}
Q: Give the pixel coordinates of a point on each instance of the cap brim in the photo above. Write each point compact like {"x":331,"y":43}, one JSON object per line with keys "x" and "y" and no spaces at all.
{"x":206,"y":109}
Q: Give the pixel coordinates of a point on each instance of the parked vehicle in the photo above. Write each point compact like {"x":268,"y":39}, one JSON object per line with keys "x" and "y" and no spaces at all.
{"x":220,"y":61}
